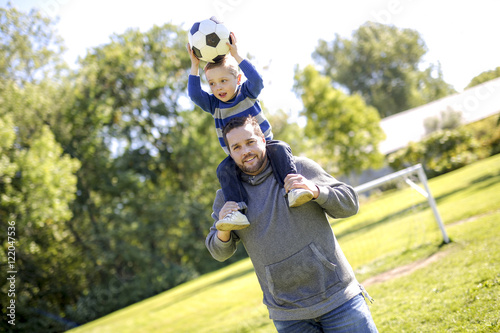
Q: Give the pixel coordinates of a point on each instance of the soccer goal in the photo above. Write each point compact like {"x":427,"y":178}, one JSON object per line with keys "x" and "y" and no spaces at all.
{"x":405,"y":174}
{"x":398,"y":222}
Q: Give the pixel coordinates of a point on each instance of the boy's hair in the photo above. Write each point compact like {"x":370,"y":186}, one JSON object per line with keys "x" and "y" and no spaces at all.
{"x":240,"y":122}
{"x":227,"y":62}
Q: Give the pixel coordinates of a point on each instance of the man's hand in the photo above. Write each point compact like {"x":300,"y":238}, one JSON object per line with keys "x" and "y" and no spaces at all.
{"x":195,"y":62}
{"x":229,"y":207}
{"x":293,"y":181}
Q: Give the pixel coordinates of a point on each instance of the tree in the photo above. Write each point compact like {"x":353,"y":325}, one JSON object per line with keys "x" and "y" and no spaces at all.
{"x":447,"y":120}
{"x":382,"y":64}
{"x":290,"y":132}
{"x":107,"y":172}
{"x":37,"y":181}
{"x":484,"y":77}
{"x":36,"y":197}
{"x":345,"y":128}
{"x":30,"y":49}
{"x":148,"y":171}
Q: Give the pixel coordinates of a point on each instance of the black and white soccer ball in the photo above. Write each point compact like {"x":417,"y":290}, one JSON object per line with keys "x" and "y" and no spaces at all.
{"x":208,"y":40}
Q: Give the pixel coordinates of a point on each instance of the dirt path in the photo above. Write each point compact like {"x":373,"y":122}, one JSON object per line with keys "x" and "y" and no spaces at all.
{"x":410,"y":268}
{"x":404,"y":270}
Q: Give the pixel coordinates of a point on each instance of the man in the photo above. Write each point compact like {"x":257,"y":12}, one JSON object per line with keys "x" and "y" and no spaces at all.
{"x":307,"y":283}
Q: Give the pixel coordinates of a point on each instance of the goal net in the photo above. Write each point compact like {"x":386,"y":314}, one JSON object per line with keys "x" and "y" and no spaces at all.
{"x":398,"y":222}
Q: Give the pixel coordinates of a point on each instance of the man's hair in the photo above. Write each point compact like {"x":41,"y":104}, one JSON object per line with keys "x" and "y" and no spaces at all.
{"x":240,"y":122}
{"x":227,"y":62}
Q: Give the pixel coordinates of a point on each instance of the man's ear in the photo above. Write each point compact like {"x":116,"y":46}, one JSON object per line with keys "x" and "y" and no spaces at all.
{"x":239,"y":79}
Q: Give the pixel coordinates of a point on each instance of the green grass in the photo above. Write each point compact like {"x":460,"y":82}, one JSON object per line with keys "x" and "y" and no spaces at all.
{"x":458,"y":293}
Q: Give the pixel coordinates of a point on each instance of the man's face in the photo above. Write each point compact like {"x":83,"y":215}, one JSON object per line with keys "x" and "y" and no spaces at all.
{"x":247,"y":149}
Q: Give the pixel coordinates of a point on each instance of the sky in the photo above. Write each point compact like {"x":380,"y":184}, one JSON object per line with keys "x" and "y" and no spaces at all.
{"x":461,"y":35}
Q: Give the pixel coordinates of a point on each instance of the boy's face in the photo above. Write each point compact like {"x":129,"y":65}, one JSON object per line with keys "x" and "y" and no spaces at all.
{"x":223,"y":83}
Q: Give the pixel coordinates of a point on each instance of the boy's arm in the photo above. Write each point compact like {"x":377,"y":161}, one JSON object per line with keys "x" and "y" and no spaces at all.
{"x":254,"y":83}
{"x":197,"y":95}
{"x":200,"y":97}
{"x":233,"y":49}
{"x":195,"y":62}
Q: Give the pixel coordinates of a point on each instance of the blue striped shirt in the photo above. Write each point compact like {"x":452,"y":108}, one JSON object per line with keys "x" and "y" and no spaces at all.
{"x":243,"y":104}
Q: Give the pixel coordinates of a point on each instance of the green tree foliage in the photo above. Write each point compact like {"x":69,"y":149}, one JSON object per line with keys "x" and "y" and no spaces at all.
{"x":346,"y":129}
{"x":484,"y":77}
{"x":107,"y":171}
{"x":148,"y":170}
{"x":29,"y":49}
{"x":36,"y":196}
{"x":383,"y":64}
{"x":290,"y":132}
{"x":37,"y":181}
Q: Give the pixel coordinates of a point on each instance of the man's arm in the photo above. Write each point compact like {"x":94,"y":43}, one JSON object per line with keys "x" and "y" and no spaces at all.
{"x":221,"y":244}
{"x":338,"y":199}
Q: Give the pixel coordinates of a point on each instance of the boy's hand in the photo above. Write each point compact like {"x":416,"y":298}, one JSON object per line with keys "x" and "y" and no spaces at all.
{"x":233,"y":49}
{"x":195,"y":62}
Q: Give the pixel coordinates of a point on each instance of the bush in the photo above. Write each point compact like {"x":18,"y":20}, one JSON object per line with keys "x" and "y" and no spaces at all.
{"x":439,"y":153}
{"x":449,"y":120}
{"x":487,"y":131}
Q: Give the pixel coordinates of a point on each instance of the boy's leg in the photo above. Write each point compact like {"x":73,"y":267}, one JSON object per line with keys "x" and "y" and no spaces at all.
{"x":281,"y":157}
{"x":233,"y":191}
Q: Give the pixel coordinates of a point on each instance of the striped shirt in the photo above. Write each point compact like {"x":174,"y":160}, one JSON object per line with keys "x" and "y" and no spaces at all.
{"x":244,"y":103}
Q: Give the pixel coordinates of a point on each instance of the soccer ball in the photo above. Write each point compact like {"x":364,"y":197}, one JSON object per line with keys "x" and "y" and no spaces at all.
{"x":208,"y":40}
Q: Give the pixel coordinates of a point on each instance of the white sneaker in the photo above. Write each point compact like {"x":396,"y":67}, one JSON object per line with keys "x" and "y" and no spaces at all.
{"x":233,"y":221}
{"x":298,"y":196}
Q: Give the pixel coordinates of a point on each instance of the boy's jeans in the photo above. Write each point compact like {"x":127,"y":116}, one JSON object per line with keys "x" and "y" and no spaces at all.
{"x":351,"y":317}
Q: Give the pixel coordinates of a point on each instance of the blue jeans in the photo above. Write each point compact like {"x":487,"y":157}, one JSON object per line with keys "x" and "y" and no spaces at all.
{"x":351,"y":317}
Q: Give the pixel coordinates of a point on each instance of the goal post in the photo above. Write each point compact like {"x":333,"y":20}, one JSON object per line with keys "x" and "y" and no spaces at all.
{"x":417,"y":170}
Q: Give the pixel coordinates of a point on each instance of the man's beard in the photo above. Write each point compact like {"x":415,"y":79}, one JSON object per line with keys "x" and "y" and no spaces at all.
{"x":253,"y":168}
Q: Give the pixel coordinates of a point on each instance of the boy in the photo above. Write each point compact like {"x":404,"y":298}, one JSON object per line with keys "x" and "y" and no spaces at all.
{"x":231,"y":98}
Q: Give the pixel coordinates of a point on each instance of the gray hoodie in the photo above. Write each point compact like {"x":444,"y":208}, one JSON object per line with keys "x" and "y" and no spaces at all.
{"x":301,"y":269}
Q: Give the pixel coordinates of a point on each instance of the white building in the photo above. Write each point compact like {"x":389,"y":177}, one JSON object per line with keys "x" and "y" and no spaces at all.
{"x":475,"y":104}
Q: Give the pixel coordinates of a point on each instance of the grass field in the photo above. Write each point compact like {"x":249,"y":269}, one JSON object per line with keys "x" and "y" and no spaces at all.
{"x":458,"y":292}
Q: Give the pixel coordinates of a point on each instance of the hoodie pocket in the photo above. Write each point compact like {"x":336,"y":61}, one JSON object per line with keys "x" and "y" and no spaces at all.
{"x":303,"y":278}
